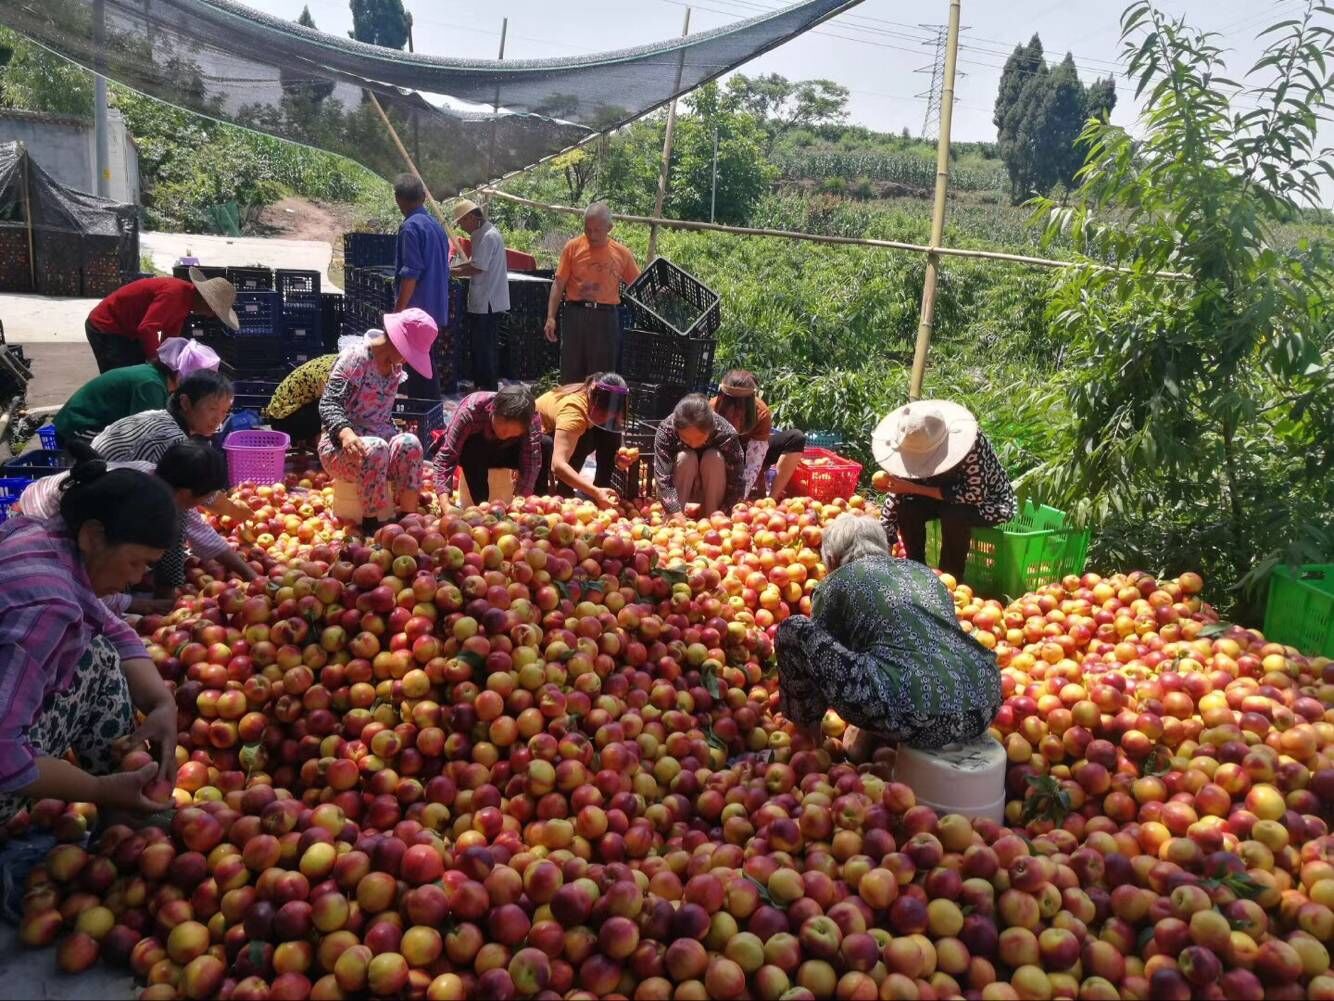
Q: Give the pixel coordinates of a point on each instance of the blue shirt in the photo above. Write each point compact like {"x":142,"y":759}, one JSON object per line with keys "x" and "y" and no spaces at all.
{"x":422,"y":252}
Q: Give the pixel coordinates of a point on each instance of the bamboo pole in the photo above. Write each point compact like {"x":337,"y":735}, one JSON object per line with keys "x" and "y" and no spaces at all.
{"x":846,"y":241}
{"x":495,"y":104}
{"x":27,"y":218}
{"x":928,"y":318}
{"x":664,"y":171}
{"x":412,"y":166}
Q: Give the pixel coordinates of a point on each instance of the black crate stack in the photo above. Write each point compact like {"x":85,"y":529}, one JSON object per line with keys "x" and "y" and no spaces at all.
{"x":637,"y":480}
{"x":302,"y":321}
{"x":256,"y":348}
{"x":668,"y":345}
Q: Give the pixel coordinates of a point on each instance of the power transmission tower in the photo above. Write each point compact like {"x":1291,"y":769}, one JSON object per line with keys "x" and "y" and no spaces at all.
{"x":931,"y":121}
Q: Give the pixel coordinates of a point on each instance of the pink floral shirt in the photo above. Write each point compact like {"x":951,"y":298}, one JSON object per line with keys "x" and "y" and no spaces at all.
{"x":359,"y":396}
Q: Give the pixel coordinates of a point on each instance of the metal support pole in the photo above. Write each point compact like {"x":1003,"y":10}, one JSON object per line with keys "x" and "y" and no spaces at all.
{"x":665,"y":170}
{"x":928,"y":315}
{"x":713,"y":193}
{"x":102,"y":159}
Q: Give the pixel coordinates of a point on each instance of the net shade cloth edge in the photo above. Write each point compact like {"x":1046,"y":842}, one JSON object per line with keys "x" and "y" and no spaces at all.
{"x":239,"y":65}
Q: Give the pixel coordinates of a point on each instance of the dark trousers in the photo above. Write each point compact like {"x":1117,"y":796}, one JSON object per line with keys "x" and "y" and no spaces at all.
{"x":589,"y":340}
{"x":478,"y":457}
{"x":302,"y":425}
{"x":595,"y":441}
{"x":956,"y":530}
{"x":482,"y":331}
{"x":112,"y":350}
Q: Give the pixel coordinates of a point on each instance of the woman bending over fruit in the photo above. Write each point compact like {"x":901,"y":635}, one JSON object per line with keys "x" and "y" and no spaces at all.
{"x":738,"y":402}
{"x":883,"y":649}
{"x":71,"y":673}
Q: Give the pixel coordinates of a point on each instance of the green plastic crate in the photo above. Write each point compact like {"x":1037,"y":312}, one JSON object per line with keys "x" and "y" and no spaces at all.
{"x":1300,"y":612}
{"x":1031,"y":550}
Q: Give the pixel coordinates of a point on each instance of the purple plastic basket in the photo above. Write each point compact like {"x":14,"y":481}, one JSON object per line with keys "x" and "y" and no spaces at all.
{"x":256,"y":456}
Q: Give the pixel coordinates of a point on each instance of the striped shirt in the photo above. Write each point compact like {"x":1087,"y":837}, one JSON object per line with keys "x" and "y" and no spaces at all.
{"x":473,"y":416}
{"x":49,"y":615}
{"x":141,"y":437}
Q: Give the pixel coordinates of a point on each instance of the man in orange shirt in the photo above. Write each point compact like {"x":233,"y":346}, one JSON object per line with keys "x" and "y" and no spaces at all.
{"x":589,"y":277}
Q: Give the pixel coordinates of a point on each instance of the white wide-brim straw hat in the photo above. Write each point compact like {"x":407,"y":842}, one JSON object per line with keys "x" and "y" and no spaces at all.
{"x":220,"y":294}
{"x":462,"y":208}
{"x":924,"y":439}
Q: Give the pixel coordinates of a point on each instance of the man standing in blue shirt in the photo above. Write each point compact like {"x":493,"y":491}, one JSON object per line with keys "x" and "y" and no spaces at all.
{"x":421,"y":270}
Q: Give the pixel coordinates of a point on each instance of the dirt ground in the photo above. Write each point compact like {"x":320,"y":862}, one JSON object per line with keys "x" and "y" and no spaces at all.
{"x":302,"y":219}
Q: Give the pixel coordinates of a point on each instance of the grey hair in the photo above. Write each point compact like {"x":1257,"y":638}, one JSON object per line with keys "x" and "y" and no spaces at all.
{"x":850,"y":537}
{"x":598,"y":210}
{"x":409,"y":188}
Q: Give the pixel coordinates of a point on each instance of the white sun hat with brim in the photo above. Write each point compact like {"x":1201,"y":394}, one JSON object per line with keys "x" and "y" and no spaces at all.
{"x":220,"y":294}
{"x":924,"y":439}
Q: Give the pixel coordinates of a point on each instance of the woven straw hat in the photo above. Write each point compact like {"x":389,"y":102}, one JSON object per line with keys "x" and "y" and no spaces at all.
{"x":924,"y":439}
{"x":462,"y":208}
{"x":220,"y":295}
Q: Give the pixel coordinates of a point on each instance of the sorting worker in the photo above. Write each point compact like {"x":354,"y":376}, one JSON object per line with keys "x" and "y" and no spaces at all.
{"x":487,"y":272}
{"x":589,"y":276}
{"x":500,"y":430}
{"x":128,"y":326}
{"x":941,"y":467}
{"x":578,"y":420}
{"x":697,"y":459}
{"x":133,"y":389}
{"x":294,"y":407}
{"x":739,"y":403}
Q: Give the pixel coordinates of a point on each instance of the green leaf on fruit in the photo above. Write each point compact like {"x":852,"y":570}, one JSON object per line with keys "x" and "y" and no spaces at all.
{"x":710,"y":677}
{"x":714,"y":740}
{"x":599,"y":586}
{"x":562,"y":588}
{"x":1159,"y":761}
{"x":1145,"y":937}
{"x":1046,"y":800}
{"x":672,"y":575}
{"x":765,"y":895}
{"x":1214,"y":629}
{"x":1240,"y":883}
{"x":472,"y":658}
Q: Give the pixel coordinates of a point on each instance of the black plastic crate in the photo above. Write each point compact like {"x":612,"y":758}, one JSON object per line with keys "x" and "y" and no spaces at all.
{"x":255,"y":355}
{"x":421,"y":417}
{"x":208,"y":271}
{"x":668,"y":300}
{"x":650,"y":356}
{"x":526,"y":354}
{"x":298,"y":286}
{"x":253,"y":394}
{"x":302,"y":325}
{"x":637,"y":480}
{"x":362,"y":250}
{"x":331,"y":318}
{"x":260,"y":313}
{"x":130,"y":277}
{"x":652,"y":401}
{"x":251,"y":279}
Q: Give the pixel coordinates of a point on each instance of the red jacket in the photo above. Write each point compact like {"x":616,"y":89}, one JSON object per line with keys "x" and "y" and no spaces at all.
{"x":147,"y":310}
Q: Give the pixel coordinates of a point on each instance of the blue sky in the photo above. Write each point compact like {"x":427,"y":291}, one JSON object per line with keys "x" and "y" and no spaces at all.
{"x":875,"y":49}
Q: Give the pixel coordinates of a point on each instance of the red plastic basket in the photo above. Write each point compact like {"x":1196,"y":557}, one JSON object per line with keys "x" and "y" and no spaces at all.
{"x":256,"y":456}
{"x":828,"y":479}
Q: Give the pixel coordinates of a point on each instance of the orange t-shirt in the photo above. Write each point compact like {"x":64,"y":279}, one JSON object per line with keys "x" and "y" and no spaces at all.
{"x":594,"y":274}
{"x":564,"y":413}
{"x":764,"y":421}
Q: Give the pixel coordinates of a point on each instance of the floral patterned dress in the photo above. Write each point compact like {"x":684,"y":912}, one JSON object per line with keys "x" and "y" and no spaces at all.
{"x":359,"y":396}
{"x":885,"y":651}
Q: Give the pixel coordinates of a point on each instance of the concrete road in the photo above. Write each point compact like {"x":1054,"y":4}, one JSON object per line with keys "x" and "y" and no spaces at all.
{"x":51,"y":329}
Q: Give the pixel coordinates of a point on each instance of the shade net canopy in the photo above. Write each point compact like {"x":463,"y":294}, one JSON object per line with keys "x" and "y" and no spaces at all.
{"x":465,"y":122}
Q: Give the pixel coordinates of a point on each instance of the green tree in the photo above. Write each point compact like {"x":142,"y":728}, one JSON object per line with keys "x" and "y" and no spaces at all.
{"x":37,"y":80}
{"x":744,"y":173}
{"x":1063,"y":112}
{"x":782,"y":105}
{"x":1204,"y":403}
{"x":381,"y":22}
{"x":305,"y":20}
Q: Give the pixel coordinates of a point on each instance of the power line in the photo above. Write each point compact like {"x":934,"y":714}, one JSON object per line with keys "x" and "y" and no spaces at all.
{"x":934,"y":94}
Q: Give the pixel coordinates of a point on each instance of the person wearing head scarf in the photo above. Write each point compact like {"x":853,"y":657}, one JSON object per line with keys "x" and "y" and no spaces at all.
{"x":738,"y":402}
{"x":360,"y":443}
{"x":581,"y":419}
{"x":884,"y":649}
{"x":941,"y":468}
{"x":73,"y":673}
{"x":123,"y":392}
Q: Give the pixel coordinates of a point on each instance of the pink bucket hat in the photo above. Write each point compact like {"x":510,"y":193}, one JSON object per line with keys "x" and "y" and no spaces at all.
{"x":412,"y":332}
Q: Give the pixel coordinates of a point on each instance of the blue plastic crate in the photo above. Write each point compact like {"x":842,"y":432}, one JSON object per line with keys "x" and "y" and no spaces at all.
{"x":259,"y":313}
{"x":47,"y":434}
{"x":302,"y":326}
{"x":824,"y":439}
{"x":10,"y":489}
{"x":34,"y":465}
{"x":298,"y":287}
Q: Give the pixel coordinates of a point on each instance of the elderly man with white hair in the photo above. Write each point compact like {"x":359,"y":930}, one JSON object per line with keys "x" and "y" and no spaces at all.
{"x":884,"y":649}
{"x":589,"y":276}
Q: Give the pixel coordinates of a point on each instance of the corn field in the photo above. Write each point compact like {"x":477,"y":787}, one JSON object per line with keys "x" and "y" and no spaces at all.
{"x":908,"y":170}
